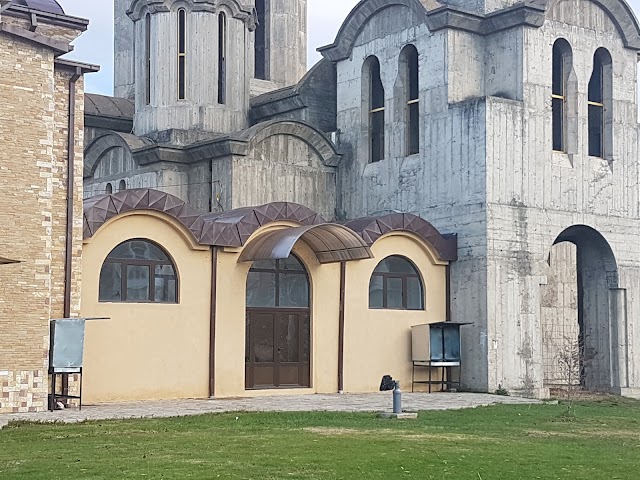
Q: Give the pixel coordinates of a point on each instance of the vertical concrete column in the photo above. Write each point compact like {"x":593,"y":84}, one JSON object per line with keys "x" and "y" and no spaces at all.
{"x":123,"y":51}
{"x":618,"y":329}
{"x":287,"y":41}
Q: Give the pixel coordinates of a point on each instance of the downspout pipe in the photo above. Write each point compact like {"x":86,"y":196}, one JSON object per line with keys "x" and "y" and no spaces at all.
{"x":212,"y":335}
{"x":343,"y":274}
{"x":71,"y":157}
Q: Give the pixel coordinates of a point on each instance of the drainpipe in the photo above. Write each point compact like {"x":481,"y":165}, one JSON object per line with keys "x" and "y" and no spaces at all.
{"x":448,"y":292}
{"x":343,"y":269}
{"x":71,"y":156}
{"x":212,"y":335}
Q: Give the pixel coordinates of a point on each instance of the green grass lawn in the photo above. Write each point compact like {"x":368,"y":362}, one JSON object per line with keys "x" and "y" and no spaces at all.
{"x":601,"y":440}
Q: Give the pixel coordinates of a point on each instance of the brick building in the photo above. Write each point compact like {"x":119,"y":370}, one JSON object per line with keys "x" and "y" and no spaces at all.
{"x":42,"y":111}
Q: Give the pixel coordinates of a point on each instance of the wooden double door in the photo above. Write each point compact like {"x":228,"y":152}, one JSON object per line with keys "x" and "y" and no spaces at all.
{"x":278,"y":348}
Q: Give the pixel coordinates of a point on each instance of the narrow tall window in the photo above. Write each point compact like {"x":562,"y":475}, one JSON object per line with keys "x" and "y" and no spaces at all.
{"x":261,"y":42}
{"x":409,"y":63}
{"x":182,"y":53}
{"x":147,"y":58}
{"x":376,"y":111}
{"x":599,"y":104}
{"x":560,"y":74}
{"x":222,"y":58}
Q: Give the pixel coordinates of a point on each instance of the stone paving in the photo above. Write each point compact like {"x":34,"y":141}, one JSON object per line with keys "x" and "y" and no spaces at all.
{"x":371,"y":402}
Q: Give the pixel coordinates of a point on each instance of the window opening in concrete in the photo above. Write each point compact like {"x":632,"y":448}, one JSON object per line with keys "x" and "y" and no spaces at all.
{"x":396,"y":284}
{"x":409,"y":65}
{"x":108,"y":189}
{"x":278,"y":325}
{"x":562,"y":64}
{"x":376,"y":111}
{"x":122,"y":186}
{"x":580,"y":345}
{"x":222,"y":58}
{"x":147,"y":59}
{"x":260,"y":46}
{"x":599,"y":104}
{"x":138,"y":271}
{"x":182,"y":53}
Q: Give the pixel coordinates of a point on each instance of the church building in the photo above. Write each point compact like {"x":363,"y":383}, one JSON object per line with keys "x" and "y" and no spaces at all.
{"x":252,"y":227}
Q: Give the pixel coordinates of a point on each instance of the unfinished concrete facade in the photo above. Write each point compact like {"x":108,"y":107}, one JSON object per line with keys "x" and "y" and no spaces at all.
{"x":486,"y":169}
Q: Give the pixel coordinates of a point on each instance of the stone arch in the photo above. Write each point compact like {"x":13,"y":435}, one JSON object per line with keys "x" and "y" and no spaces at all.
{"x":620,"y":14}
{"x":341,"y":48}
{"x":238,"y":9}
{"x":304,"y":131}
{"x":101,"y":146}
{"x":599,"y":312}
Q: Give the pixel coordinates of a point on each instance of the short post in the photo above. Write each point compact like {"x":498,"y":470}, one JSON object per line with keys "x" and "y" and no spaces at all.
{"x":397,"y":398}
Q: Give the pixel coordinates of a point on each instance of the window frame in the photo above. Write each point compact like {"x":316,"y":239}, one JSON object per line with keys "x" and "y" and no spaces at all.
{"x":182,"y":25}
{"x":410,"y":60}
{"x":376,"y":110}
{"x":562,"y":59}
{"x":602,"y":66}
{"x":404,"y":276}
{"x":278,"y":272}
{"x":147,"y":61}
{"x":260,"y":57}
{"x":222,"y":58}
{"x":125,"y":262}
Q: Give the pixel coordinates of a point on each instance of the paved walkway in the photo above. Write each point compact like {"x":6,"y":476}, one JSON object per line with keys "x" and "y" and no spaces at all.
{"x":372,"y":402}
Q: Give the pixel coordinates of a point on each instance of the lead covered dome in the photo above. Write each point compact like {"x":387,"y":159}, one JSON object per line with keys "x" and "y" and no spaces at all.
{"x":49,"y":6}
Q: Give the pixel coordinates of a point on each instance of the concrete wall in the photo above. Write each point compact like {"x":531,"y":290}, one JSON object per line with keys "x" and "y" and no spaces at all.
{"x":124,"y":68}
{"x":147,"y":351}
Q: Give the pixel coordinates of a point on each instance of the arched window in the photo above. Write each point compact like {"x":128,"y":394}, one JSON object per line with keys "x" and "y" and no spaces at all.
{"x":562,"y":64}
{"x":122,"y":186}
{"x":147,"y":58}
{"x":222,"y":58}
{"x":108,"y":189}
{"x":138,"y":271}
{"x":410,"y":73}
{"x":278,"y":283}
{"x":600,"y":105}
{"x":396,"y":284}
{"x":375,"y":95}
{"x":260,"y":46}
{"x":182,"y":53}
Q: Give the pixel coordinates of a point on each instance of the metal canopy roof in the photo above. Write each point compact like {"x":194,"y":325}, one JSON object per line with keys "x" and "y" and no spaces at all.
{"x":7,"y":261}
{"x":49,"y":6}
{"x":330,"y":242}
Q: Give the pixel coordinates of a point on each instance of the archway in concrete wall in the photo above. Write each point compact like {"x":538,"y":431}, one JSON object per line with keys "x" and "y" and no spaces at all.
{"x":579,"y":312}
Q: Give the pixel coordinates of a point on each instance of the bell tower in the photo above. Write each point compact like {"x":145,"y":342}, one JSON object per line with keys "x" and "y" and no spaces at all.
{"x":280,"y":41}
{"x":191,"y":64}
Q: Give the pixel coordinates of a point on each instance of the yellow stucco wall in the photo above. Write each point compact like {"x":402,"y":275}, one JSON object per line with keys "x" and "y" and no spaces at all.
{"x":378,"y":342}
{"x":147,"y":351}
{"x":231,"y":324}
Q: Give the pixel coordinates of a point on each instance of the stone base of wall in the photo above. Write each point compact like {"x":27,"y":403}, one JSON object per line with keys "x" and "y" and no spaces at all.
{"x":23,"y":391}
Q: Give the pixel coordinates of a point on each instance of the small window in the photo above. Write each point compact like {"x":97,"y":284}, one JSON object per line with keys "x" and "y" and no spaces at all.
{"x":599,"y":103}
{"x":278,"y":283}
{"x":122,"y":186}
{"x":560,"y":73}
{"x":376,"y":110}
{"x":222,"y":58}
{"x":260,"y":46}
{"x":147,"y":59}
{"x":138,"y":271}
{"x":409,"y":63}
{"x":182,"y":54}
{"x":108,"y":189}
{"x":396,"y":284}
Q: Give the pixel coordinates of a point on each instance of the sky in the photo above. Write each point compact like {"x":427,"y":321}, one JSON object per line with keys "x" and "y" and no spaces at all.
{"x":96,"y":44}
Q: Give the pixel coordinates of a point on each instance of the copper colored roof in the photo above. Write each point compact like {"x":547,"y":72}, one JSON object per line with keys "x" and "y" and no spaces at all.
{"x":331,"y":243}
{"x":372,"y":228}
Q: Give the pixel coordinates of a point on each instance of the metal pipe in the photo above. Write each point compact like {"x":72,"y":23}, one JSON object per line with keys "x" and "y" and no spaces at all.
{"x":448,"y":293}
{"x":212,"y":335}
{"x":343,"y":271}
{"x":397,"y":398}
{"x":71,"y":157}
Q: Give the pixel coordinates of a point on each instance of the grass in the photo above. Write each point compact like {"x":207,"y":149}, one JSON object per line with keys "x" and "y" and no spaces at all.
{"x":599,"y":439}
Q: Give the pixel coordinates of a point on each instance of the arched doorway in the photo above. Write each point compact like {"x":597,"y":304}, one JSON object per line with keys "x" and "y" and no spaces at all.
{"x":579,"y":313}
{"x":278,"y":325}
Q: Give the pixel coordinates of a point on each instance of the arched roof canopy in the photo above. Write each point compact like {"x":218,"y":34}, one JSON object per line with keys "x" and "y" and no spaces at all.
{"x":342,"y":46}
{"x":306,"y":132}
{"x":330,"y":242}
{"x":620,"y":13}
{"x":372,"y":228}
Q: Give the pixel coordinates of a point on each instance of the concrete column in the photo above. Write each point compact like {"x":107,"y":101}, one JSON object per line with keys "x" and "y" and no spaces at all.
{"x":123,"y":46}
{"x":619,"y":338}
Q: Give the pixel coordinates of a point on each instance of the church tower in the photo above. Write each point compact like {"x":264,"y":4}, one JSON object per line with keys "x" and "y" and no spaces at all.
{"x":281,"y":41}
{"x":192,"y":64}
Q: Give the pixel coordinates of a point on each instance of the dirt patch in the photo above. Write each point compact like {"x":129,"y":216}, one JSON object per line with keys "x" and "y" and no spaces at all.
{"x":624,"y":434}
{"x":453,"y":437}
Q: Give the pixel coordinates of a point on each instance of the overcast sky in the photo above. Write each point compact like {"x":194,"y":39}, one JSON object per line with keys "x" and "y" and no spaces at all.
{"x":96,"y":44}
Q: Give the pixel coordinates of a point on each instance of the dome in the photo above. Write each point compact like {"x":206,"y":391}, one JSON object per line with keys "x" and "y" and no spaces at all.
{"x":49,"y":6}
